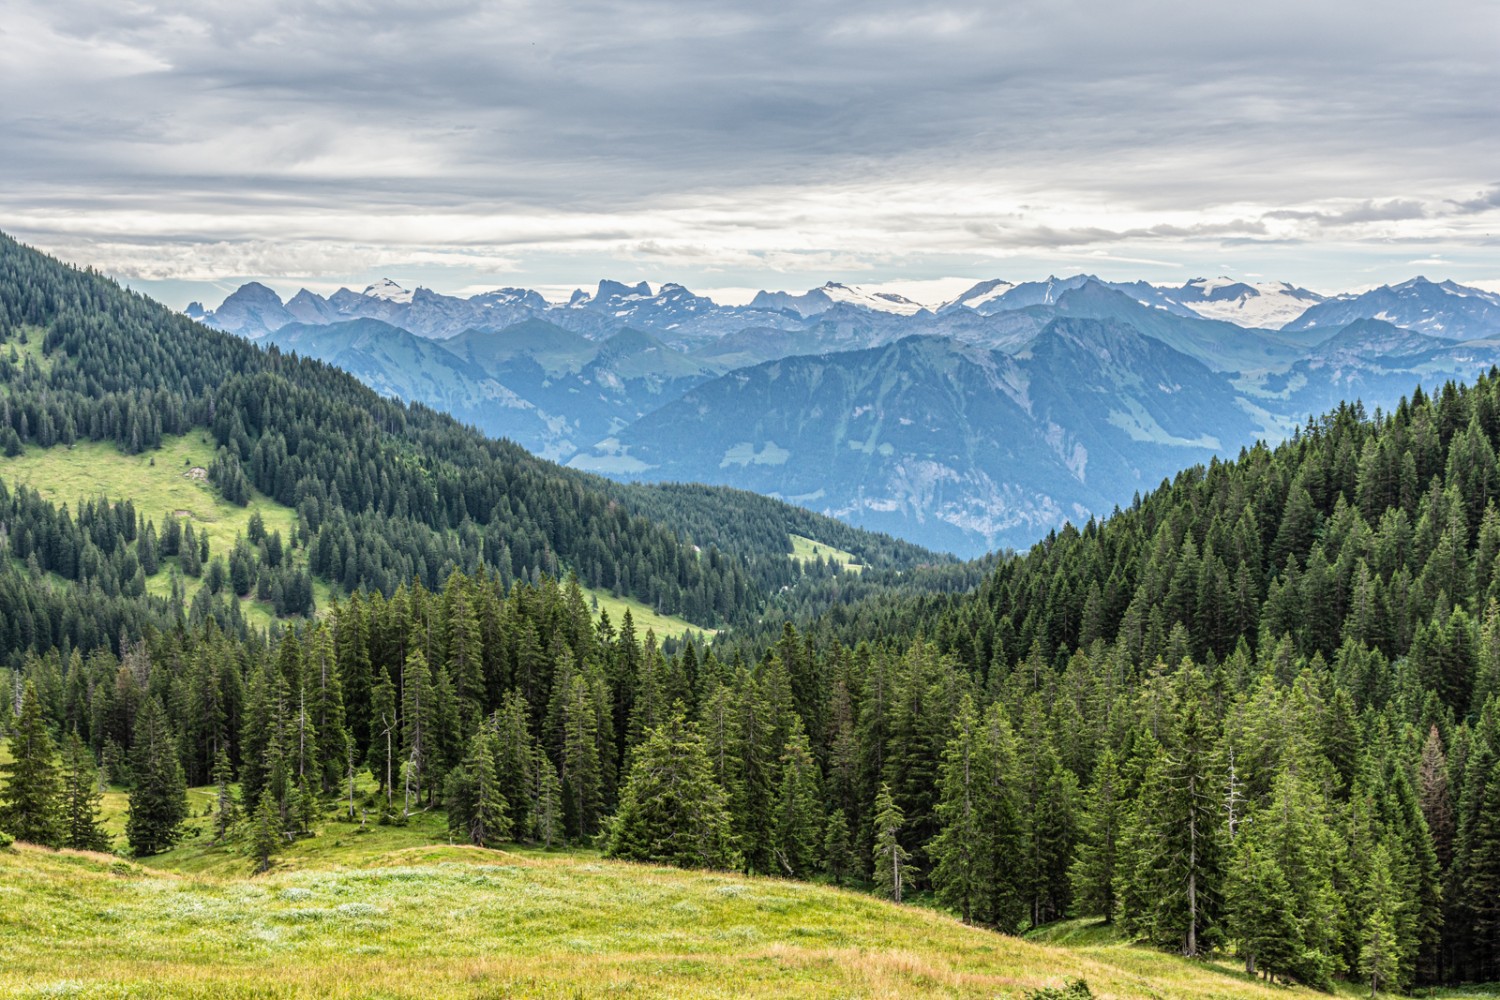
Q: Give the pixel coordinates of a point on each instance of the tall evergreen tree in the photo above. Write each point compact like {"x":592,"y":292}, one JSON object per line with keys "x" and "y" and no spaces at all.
{"x":158,"y":800}
{"x":81,"y":798}
{"x":838,"y":849}
{"x":226,"y":809}
{"x":892,"y":872}
{"x":546,"y":815}
{"x":961,"y":869}
{"x":799,"y":810}
{"x":1097,"y":858}
{"x":1379,"y":950}
{"x":671,"y":810}
{"x":30,"y":803}
{"x":487,"y":822}
{"x":266,"y":834}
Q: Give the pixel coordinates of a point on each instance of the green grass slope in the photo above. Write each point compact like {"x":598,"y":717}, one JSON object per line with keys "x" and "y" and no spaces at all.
{"x":364,"y":910}
{"x":160,"y":485}
{"x":440,"y":921}
{"x":806,"y":550}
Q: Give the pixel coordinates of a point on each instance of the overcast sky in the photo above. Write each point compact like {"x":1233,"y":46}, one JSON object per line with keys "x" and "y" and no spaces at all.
{"x":735,"y":145}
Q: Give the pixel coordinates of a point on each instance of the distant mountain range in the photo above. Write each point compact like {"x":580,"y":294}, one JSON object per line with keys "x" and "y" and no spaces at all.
{"x":965,"y":425}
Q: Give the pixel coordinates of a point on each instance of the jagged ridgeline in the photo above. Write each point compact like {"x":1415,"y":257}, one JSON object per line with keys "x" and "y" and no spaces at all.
{"x":378,"y":492}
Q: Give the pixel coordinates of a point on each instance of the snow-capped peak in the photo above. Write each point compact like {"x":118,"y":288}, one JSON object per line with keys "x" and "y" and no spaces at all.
{"x":1268,"y":305}
{"x":981,"y":294}
{"x":387,"y":290}
{"x":888,"y":302}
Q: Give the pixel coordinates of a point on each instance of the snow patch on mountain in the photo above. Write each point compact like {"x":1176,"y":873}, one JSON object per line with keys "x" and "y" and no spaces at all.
{"x":1265,"y":305}
{"x":388,"y":291}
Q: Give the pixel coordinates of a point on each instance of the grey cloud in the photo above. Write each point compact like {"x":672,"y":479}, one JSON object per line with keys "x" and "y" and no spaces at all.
{"x":1483,"y":203}
{"x":1395,"y":210}
{"x":1049,"y":238}
{"x":318,"y":114}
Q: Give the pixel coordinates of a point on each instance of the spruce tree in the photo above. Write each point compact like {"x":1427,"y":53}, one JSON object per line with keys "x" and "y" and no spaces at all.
{"x":671,"y":810}
{"x":1260,"y":911}
{"x":490,"y":823}
{"x":799,"y":810}
{"x":385,"y":737}
{"x":582,"y":786}
{"x":1002,"y":902}
{"x":960,"y":869}
{"x":266,"y":834}
{"x":518,"y":759}
{"x":892,"y":872}
{"x":81,"y":798}
{"x":1379,"y":950}
{"x":158,"y":800}
{"x":1096,"y":859}
{"x":226,"y":809}
{"x":417,"y":714}
{"x":31,"y":800}
{"x":546,"y":815}
{"x":838,"y":849}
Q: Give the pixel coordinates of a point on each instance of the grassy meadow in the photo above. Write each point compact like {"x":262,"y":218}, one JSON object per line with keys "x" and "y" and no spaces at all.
{"x":364,"y":910}
{"x":438,"y":921}
{"x":643,"y":615}
{"x":805,"y":550}
{"x":159,"y":484}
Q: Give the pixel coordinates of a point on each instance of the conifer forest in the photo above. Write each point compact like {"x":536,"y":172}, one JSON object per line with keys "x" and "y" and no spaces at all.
{"x":1254,"y":714}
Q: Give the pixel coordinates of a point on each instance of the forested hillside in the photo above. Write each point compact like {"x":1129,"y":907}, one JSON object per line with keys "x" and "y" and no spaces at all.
{"x":1256,"y":713}
{"x":384,"y":493}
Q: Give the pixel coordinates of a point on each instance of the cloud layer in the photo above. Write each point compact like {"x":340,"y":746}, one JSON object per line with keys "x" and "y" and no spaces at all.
{"x":743,"y":143}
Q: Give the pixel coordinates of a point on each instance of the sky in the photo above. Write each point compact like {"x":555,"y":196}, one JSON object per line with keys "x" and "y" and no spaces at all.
{"x":729,"y":146}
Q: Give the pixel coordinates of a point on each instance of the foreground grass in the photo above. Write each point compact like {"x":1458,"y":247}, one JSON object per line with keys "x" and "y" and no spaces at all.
{"x":395,"y":911}
{"x":383,"y":914}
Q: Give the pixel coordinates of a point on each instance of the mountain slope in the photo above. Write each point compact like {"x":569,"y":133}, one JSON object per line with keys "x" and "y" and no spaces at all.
{"x":401,"y":365}
{"x":1440,"y":309}
{"x":387,"y":492}
{"x":959,"y":447}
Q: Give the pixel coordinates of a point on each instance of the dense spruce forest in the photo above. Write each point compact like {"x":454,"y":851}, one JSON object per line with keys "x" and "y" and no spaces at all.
{"x":1257,"y":712}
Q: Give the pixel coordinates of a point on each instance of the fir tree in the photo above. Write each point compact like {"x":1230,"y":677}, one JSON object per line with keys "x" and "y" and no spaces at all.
{"x":1260,"y":910}
{"x":490,"y":823}
{"x":891,"y":869}
{"x":581,"y":779}
{"x":30,"y":804}
{"x":417,"y":712}
{"x":960,"y":870}
{"x":384,"y":735}
{"x":1379,"y":950}
{"x":81,"y":798}
{"x":799,"y":811}
{"x":226,"y":809}
{"x":671,"y":810}
{"x":158,"y":801}
{"x":838,"y":850}
{"x":266,"y":834}
{"x":546,"y":817}
{"x":1096,"y":860}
